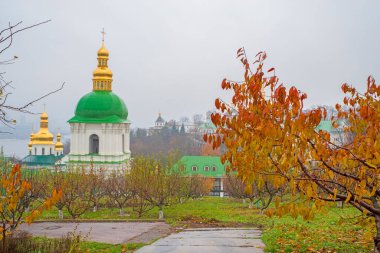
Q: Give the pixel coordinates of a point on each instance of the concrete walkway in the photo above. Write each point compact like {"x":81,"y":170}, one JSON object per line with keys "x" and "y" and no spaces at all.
{"x":108,"y":232}
{"x":220,"y":240}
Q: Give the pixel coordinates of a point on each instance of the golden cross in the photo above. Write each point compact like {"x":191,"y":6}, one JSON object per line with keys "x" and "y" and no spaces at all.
{"x":103,"y":33}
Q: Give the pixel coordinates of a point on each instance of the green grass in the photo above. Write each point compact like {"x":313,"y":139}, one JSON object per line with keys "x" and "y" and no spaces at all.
{"x":98,"y":246}
{"x":335,"y":229}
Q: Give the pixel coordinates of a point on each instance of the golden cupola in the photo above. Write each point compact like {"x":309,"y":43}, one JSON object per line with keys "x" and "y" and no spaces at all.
{"x":43,"y":136}
{"x":102,"y":75}
{"x":58,"y":144}
{"x":31,"y":141}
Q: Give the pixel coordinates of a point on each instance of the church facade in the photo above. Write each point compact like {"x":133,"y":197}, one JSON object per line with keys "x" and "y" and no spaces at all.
{"x":100,"y":129}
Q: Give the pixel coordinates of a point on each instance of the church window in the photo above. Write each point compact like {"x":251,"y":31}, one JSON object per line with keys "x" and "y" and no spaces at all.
{"x":213,"y":168}
{"x":50,"y":151}
{"x":194,"y":168}
{"x":35,"y":151}
{"x":94,"y":144}
{"x":43,"y":151}
{"x":206,"y":168}
{"x":30,"y":152}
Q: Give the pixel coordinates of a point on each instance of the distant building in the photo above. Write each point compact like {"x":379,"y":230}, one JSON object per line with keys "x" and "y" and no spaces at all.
{"x":160,"y":122}
{"x":337,"y":134}
{"x":158,"y":125}
{"x":43,"y":152}
{"x":207,"y":166}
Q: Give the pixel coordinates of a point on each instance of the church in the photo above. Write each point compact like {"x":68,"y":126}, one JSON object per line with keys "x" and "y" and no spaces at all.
{"x":100,"y":128}
{"x":43,"y":152}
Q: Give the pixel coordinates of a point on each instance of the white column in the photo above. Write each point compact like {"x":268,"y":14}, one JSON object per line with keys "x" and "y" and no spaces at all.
{"x":221,"y":188}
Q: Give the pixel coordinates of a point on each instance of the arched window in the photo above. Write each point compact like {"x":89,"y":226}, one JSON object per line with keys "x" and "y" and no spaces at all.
{"x":35,"y":151}
{"x":94,"y":144}
{"x":50,"y":151}
{"x":194,"y":168}
{"x":43,"y":151}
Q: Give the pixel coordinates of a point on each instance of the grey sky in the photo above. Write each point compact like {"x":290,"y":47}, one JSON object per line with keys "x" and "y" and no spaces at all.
{"x":171,"y":56}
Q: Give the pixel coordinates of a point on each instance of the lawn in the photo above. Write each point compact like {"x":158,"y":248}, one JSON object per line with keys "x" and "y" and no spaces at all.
{"x":333,"y":230}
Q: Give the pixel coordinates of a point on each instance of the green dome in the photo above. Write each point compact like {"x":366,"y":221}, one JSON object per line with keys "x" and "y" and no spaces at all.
{"x":100,"y":107}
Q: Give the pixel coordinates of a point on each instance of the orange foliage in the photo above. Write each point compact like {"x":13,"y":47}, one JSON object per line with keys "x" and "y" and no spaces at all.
{"x":14,"y":191}
{"x":207,"y":150}
{"x":270,"y":137}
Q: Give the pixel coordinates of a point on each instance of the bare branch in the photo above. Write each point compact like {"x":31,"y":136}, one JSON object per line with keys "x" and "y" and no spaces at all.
{"x":22,"y":108}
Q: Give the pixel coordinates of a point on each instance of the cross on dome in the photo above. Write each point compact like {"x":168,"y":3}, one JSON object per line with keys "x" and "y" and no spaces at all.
{"x":103,"y":33}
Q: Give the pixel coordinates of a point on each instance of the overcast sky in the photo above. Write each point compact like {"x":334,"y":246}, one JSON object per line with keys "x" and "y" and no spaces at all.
{"x":171,"y":56}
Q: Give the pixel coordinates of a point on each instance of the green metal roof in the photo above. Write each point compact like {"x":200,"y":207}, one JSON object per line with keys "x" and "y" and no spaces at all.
{"x":40,"y":160}
{"x":100,"y":107}
{"x":208,"y":125}
{"x":325,"y":125}
{"x":200,"y":162}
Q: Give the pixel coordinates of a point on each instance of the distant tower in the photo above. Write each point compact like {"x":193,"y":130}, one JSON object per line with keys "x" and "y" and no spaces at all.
{"x":160,"y":122}
{"x":58,"y":145}
{"x":100,"y":127}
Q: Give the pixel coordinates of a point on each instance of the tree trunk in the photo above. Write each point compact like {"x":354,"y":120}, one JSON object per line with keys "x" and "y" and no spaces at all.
{"x":4,"y":236}
{"x":376,"y":239}
{"x":250,"y":204}
{"x":60,"y":214}
{"x":244,"y":201}
{"x":121,"y":211}
{"x":95,"y":208}
{"x":160,"y":213}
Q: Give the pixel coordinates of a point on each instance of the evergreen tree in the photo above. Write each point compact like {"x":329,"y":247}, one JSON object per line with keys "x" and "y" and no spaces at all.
{"x":182,"y":130}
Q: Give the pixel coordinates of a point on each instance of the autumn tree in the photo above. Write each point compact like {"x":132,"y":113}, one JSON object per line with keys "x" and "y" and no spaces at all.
{"x":208,"y":150}
{"x":138,"y":177}
{"x":97,"y":186}
{"x":13,"y":190}
{"x":269,"y":136}
{"x":119,"y":189}
{"x":76,"y":188}
{"x":236,"y":188}
{"x":195,"y":186}
{"x":162,"y":184}
{"x":54,"y":179}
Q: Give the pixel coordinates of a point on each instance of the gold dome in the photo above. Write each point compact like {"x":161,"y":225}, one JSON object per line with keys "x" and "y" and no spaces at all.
{"x":102,"y":72}
{"x":102,"y":75}
{"x":31,"y":141}
{"x":43,"y":136}
{"x":58,"y":144}
{"x":103,"y":51}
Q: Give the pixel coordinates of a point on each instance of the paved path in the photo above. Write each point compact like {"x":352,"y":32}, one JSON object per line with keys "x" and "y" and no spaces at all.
{"x":108,"y":232}
{"x":220,"y":240}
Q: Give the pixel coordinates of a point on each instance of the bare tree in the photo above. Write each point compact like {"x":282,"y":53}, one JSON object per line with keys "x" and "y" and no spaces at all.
{"x":6,"y":39}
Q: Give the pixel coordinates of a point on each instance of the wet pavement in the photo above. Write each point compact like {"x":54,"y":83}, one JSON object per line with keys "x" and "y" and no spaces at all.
{"x":108,"y":232}
{"x":220,"y":240}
